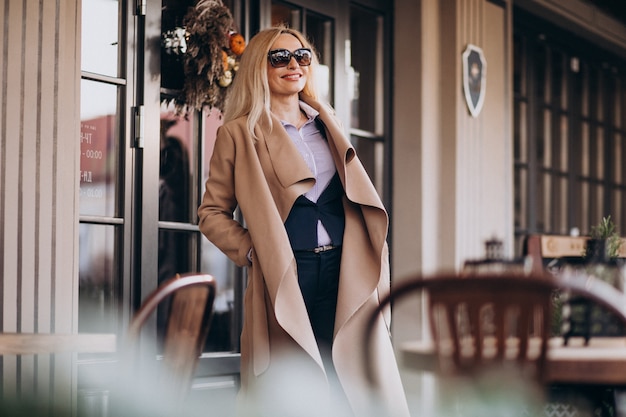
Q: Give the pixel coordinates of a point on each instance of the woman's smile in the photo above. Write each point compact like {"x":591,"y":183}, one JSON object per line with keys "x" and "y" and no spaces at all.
{"x":294,"y":76}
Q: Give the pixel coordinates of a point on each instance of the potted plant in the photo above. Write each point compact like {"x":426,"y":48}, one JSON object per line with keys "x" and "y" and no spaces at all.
{"x":604,"y":243}
{"x":599,"y":262}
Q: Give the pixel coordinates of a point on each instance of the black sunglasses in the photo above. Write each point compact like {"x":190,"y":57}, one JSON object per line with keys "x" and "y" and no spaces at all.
{"x":281,"y":57}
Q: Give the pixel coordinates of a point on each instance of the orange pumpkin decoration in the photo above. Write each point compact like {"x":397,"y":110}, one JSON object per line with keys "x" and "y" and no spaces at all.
{"x":237,"y":43}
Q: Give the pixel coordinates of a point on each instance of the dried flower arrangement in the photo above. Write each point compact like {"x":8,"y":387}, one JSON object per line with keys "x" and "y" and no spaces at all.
{"x":211,"y":58}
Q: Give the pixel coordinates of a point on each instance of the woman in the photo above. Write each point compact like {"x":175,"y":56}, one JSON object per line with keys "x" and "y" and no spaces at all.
{"x":313,"y":240}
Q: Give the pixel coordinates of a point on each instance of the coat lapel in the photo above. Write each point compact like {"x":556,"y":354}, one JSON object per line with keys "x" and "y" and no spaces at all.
{"x":358,"y":187}
{"x":283,"y":153}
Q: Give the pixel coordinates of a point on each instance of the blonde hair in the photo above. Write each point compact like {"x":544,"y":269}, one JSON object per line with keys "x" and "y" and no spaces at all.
{"x":250,"y":93}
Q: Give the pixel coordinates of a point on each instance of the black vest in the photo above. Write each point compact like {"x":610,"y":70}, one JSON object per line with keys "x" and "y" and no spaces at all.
{"x":301,"y":224}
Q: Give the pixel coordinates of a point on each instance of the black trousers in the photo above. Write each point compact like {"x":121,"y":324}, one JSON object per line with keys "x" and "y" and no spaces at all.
{"x":318,"y":276}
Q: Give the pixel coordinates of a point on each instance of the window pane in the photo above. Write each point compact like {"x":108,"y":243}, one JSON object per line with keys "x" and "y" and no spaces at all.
{"x":371,"y":153}
{"x":564,"y":145}
{"x":174,"y":254}
{"x":560,"y":79}
{"x":618,"y":159}
{"x":544,"y":139}
{"x":561,"y":206}
{"x":176,"y":158}
{"x":98,"y":287}
{"x":584,"y":92}
{"x":217,"y":264}
{"x":319,"y":31}
{"x":99,"y":147}
{"x":541,"y":80}
{"x":283,"y":14}
{"x":100,"y":37}
{"x":620,"y":108}
{"x":521,"y":133}
{"x":598,"y":153}
{"x":584,"y":150}
{"x":617,"y":210}
{"x":596,"y":200}
{"x":544,"y":203}
{"x":616,"y":108}
{"x":584,"y":206}
{"x":599,"y":95}
{"x":519,"y":66}
{"x":521,"y":198}
{"x":366,"y":33}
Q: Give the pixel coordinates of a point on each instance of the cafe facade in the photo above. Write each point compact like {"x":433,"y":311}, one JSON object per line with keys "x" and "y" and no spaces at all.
{"x":476,"y":120}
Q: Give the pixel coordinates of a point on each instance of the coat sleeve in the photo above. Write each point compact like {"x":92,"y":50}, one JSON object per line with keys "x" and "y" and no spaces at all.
{"x":219,"y":202}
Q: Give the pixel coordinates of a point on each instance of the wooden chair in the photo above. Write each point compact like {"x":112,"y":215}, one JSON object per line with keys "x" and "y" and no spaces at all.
{"x":490,"y":335}
{"x":484,"y":323}
{"x":480,"y":321}
{"x":167,"y":383}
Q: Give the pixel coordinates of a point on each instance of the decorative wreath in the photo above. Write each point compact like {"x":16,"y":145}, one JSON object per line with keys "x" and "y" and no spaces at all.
{"x":210,"y":52}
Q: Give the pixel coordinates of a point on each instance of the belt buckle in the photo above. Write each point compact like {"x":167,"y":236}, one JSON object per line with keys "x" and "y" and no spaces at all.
{"x":323,"y":248}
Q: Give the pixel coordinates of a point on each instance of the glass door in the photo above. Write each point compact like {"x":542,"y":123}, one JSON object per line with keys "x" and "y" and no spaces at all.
{"x":106,"y":219}
{"x":144,"y":164}
{"x":368,"y":92}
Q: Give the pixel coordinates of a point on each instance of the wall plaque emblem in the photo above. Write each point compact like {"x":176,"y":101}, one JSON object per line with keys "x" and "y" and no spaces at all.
{"x":474,"y":78}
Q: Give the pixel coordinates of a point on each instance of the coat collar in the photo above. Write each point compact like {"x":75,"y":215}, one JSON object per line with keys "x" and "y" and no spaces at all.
{"x":355,"y":180}
{"x":298,"y":177}
{"x":283,"y":153}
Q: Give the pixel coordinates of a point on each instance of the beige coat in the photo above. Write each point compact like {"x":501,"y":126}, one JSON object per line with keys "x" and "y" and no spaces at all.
{"x":264,"y":177}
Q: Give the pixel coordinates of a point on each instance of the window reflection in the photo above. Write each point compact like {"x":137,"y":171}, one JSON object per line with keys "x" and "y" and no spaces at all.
{"x":218,"y":265}
{"x":100,"y":37}
{"x":97,"y":285}
{"x":172,"y":18}
{"x":179,"y":195}
{"x":174,"y":170}
{"x":99,"y":144}
{"x":320,"y":33}
{"x":284,"y":14}
{"x":365,"y":82}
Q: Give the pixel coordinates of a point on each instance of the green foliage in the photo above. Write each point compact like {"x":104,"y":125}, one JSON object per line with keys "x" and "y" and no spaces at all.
{"x":606,"y":230}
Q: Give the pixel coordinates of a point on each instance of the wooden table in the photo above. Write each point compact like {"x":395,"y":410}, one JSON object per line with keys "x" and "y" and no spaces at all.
{"x":602,"y":362}
{"x":41,"y":343}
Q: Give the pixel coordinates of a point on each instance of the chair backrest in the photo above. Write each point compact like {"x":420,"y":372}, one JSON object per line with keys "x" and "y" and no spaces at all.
{"x":191,"y":298}
{"x":481,"y":321}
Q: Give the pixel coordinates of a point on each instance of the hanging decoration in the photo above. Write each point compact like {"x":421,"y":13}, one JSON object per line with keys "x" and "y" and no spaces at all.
{"x":174,"y":41}
{"x":210,"y":47}
{"x":474,"y":78}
